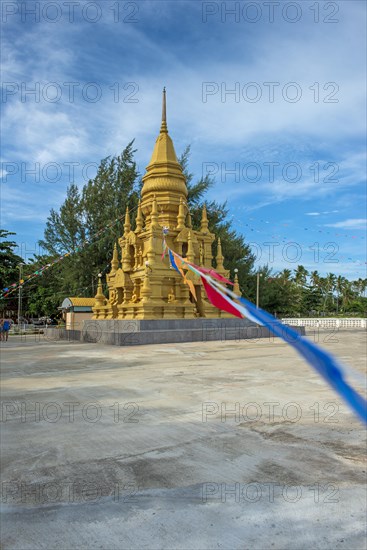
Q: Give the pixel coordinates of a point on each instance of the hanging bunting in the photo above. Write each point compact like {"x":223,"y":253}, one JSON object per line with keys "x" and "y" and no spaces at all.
{"x":29,"y":278}
{"x":180,"y":264}
{"x":277,"y":225}
{"x":212,"y":273}
{"x":217,"y":300}
{"x":177,"y":263}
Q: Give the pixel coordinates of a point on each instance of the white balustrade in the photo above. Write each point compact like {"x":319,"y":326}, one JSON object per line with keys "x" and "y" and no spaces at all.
{"x":327,"y":322}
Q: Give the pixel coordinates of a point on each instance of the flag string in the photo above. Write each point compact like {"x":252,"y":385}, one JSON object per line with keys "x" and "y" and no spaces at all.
{"x":321,"y":360}
{"x":86,"y":242}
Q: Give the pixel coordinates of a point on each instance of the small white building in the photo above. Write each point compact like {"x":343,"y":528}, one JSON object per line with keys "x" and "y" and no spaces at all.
{"x":75,"y":311}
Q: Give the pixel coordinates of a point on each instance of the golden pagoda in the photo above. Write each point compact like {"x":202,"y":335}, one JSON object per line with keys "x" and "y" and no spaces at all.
{"x":144,"y":286}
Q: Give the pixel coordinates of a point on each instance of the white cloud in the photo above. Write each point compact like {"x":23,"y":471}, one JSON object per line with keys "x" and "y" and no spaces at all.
{"x":319,"y":213}
{"x":354,"y":223}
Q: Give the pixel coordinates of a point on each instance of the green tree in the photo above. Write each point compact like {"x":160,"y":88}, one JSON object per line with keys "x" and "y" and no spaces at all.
{"x":80,"y":225}
{"x":9,"y":271}
{"x":43,"y":293}
{"x":300,"y":276}
{"x":348,"y":294}
{"x":269,"y":289}
{"x":277,"y":291}
{"x":312,"y":301}
{"x":65,"y":229}
{"x":328,"y":286}
{"x":315,"y":279}
{"x":360,"y":286}
{"x":300,"y":288}
{"x":105,"y":198}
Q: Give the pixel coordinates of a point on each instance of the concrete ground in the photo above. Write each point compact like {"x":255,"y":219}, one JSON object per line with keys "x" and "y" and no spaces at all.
{"x":229,"y":445}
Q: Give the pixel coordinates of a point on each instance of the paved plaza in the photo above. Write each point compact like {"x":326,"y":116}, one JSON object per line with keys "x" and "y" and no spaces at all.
{"x":205,"y":445}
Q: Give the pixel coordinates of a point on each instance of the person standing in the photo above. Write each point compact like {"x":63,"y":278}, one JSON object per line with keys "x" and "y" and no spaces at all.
{"x":6,"y":327}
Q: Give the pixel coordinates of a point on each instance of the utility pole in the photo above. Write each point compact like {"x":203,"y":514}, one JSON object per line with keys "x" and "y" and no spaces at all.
{"x":20,"y":294}
{"x":258,"y":275}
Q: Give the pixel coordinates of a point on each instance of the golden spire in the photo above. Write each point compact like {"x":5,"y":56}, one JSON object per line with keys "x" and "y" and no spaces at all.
{"x":139,"y":219}
{"x":115,"y":260}
{"x":150,"y":252}
{"x":164,"y":128}
{"x":190,"y":249}
{"x":236,"y":286}
{"x":126,"y":258}
{"x":164,"y":172}
{"x":181,"y":215}
{"x":127,"y":224}
{"x":204,"y":220}
{"x":100,"y":297}
{"x":219,"y":258}
{"x":188,"y":221}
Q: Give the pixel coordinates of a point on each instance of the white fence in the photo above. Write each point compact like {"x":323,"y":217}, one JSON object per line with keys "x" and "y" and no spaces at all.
{"x":327,"y":322}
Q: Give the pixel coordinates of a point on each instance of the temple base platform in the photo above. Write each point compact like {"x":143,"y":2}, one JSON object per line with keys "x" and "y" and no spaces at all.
{"x":164,"y":331}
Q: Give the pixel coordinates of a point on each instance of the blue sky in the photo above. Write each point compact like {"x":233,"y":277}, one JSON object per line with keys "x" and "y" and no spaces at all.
{"x":287,"y":146}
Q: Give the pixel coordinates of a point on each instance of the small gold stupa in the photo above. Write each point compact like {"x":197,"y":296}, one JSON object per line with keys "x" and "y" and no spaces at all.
{"x":144,"y":286}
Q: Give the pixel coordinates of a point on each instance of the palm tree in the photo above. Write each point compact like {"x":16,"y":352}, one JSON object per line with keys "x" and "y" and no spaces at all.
{"x":360,"y":286}
{"x":329,"y":287}
{"x":331,"y":281}
{"x":315,"y":278}
{"x":349,"y":293}
{"x":346,"y":291}
{"x":284,"y":292}
{"x":340,"y":288}
{"x":285,"y":276}
{"x":322,"y":286}
{"x":300,"y":276}
{"x":300,"y":281}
